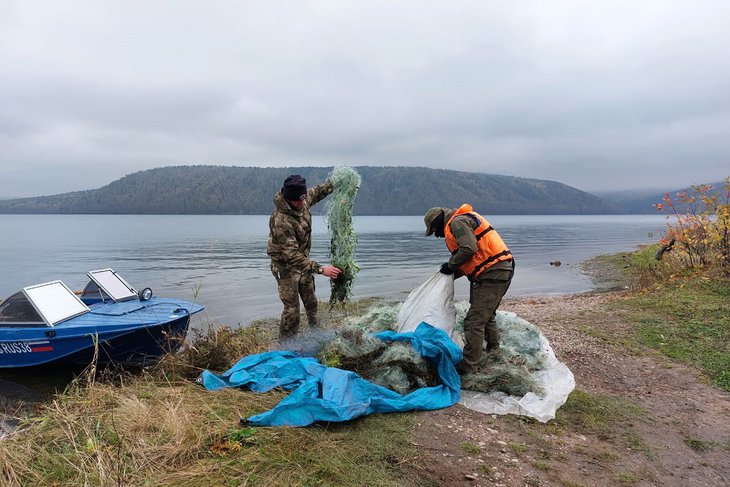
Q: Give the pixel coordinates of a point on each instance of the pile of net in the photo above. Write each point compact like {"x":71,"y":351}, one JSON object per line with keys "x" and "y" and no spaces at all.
{"x":510,"y":370}
{"x":394,"y":365}
{"x":343,"y":240}
{"x":399,"y":368}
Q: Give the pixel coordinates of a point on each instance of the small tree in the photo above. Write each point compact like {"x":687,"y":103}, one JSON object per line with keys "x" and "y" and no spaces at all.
{"x":699,"y":221}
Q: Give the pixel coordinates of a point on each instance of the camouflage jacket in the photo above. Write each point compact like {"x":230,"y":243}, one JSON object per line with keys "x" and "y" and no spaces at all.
{"x":290,"y":230}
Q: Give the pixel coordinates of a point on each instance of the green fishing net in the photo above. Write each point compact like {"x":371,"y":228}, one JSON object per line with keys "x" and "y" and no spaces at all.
{"x":511,"y":369}
{"x":377,"y":318}
{"x":519,"y":339}
{"x":400,"y":368}
{"x":394,"y":365}
{"x":343,"y":240}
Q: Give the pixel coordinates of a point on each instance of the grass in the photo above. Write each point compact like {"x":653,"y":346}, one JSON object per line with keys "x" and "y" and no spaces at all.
{"x":599,"y":414}
{"x":519,"y":447}
{"x":470,"y":448}
{"x":610,"y":456}
{"x":684,"y":315}
{"x":160,"y":428}
{"x":699,"y":445}
{"x":151,"y":433}
{"x":627,"y":478}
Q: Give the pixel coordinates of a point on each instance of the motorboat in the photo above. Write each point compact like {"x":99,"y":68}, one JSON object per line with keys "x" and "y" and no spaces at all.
{"x":108,"y":322}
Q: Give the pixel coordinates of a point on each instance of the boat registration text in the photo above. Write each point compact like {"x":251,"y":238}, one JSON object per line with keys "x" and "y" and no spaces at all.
{"x":25,"y":347}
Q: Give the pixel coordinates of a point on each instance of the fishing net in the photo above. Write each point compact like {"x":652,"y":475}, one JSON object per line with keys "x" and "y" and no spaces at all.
{"x":399,"y":367}
{"x":351,"y":346}
{"x":394,"y":365}
{"x":402,"y":369}
{"x":500,"y":373}
{"x":376,"y":318}
{"x":510,"y":370}
{"x":343,"y":240}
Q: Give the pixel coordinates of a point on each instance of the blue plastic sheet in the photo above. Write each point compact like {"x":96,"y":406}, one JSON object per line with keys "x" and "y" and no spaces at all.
{"x":321,"y":393}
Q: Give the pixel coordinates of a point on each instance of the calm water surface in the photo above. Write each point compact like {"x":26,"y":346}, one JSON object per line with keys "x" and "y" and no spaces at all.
{"x":221,"y":262}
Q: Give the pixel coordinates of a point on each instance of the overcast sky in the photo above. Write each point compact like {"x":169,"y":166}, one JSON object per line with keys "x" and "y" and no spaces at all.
{"x":599,"y":95}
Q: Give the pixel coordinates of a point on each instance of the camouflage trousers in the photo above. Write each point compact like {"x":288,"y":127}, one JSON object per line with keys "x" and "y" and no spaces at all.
{"x":485,"y":296}
{"x":293,"y":285}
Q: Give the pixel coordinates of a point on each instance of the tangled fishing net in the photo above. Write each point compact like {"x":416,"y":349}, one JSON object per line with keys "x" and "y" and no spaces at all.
{"x":343,"y":240}
{"x":394,"y":365}
{"x":399,"y":367}
{"x":376,"y":318}
{"x":511,"y":370}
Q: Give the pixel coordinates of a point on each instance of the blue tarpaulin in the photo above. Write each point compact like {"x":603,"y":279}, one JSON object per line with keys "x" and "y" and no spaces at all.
{"x":321,"y":393}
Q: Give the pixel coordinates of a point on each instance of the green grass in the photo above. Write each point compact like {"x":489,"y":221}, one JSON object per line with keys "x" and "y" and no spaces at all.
{"x":598,"y":414}
{"x":609,"y":456}
{"x":627,"y":478}
{"x":699,"y":445}
{"x":470,"y":448}
{"x":687,"y":321}
{"x":682,"y":313}
{"x":519,"y":447}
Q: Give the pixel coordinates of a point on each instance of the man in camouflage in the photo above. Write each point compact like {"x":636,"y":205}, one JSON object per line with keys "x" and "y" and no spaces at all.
{"x":290,"y":240}
{"x":470,"y":235}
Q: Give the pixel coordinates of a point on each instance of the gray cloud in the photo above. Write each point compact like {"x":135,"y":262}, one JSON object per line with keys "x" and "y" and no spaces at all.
{"x":615,"y":95}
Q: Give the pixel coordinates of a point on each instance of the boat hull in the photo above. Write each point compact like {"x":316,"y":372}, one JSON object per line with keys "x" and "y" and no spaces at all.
{"x":131,"y":345}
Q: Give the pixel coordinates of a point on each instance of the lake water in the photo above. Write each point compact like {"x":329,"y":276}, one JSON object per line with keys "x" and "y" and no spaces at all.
{"x":220,"y":261}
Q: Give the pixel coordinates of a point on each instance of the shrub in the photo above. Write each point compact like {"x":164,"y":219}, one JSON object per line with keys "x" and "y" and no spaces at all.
{"x":699,"y":222}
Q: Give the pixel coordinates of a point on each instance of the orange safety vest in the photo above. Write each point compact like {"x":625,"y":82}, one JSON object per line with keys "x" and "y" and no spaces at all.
{"x":490,"y":246}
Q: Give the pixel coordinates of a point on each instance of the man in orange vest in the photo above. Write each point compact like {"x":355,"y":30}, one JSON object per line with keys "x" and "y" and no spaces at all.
{"x":480,"y":254}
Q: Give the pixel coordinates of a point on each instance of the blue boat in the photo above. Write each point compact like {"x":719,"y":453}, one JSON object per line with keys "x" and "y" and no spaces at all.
{"x":109,"y":322}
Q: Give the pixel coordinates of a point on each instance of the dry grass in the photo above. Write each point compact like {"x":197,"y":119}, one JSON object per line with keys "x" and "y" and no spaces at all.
{"x":146,"y":432}
{"x":157,"y":427}
{"x":104,"y":434}
{"x":217,"y":348}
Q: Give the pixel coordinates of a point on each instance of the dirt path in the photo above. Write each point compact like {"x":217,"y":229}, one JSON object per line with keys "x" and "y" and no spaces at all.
{"x":667,"y":428}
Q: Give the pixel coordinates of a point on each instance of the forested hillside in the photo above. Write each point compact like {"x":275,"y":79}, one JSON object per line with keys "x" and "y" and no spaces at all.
{"x":249,"y":190}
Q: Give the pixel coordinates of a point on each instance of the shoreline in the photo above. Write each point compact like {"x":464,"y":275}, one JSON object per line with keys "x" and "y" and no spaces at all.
{"x":636,"y":417}
{"x":35,"y":391}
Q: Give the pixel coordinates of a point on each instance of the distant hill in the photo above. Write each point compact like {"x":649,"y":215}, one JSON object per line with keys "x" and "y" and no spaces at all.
{"x":249,"y":190}
{"x":643,"y":201}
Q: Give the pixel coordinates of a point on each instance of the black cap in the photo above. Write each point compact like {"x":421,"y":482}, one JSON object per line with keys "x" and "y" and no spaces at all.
{"x":295,"y":188}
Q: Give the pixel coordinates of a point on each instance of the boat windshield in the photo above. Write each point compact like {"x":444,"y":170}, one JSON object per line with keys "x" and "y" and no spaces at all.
{"x":112,"y":285}
{"x":17,"y":310}
{"x":55,"y":302}
{"x":93,"y":293}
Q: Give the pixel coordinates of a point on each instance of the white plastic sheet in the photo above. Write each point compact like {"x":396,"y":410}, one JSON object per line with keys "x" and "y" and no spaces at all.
{"x":556,"y":380}
{"x":432,"y":302}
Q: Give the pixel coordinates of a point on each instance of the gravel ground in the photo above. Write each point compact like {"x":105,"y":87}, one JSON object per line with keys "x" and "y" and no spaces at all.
{"x":682,"y":437}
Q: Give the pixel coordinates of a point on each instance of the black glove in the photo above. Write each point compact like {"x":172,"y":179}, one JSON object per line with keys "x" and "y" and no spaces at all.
{"x":446,"y":269}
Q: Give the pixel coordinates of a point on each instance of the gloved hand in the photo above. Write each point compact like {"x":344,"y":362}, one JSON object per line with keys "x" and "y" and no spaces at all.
{"x":446,"y":269}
